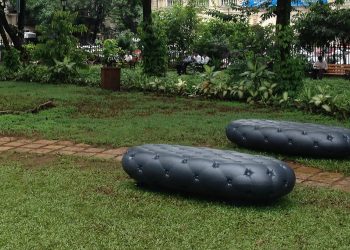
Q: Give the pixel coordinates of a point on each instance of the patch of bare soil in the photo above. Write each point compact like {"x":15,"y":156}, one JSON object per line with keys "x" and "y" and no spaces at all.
{"x":29,"y":161}
{"x":106,"y":190}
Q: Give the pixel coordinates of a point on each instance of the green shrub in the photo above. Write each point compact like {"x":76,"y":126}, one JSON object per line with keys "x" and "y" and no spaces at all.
{"x":179,"y":24}
{"x":11,"y":59}
{"x":125,"y":41}
{"x":154,"y":56}
{"x":6,"y":73}
{"x":289,"y":75}
{"x":214,"y":39}
{"x":321,"y":99}
{"x":64,"y":71}
{"x":236,"y":68}
{"x":90,"y":76}
{"x":257,"y":84}
{"x":133,"y":78}
{"x":57,"y":39}
{"x":111,"y":53}
{"x":33,"y":73}
{"x":31,"y":52}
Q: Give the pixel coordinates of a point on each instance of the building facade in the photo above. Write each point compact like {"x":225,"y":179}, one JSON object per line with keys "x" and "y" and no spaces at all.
{"x":224,"y":6}
{"x":217,"y":4}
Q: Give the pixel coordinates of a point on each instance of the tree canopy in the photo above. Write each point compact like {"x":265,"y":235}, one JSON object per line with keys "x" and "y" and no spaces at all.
{"x":324,"y":24}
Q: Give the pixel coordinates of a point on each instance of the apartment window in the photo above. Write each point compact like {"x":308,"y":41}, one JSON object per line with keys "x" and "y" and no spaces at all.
{"x":172,"y":2}
{"x":204,"y":3}
{"x":228,"y":2}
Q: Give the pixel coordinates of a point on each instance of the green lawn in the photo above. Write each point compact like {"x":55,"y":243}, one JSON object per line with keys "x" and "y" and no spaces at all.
{"x":54,"y":202}
{"x":50,"y":202}
{"x":99,"y":117}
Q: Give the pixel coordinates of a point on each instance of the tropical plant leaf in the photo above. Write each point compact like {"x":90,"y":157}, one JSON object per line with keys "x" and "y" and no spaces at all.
{"x":326,"y":107}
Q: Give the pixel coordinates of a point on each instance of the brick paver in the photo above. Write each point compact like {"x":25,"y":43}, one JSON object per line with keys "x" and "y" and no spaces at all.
{"x":22,"y":150}
{"x":74,"y":149}
{"x":305,"y":172}
{"x":293,"y":165}
{"x":119,"y":158}
{"x":326,"y":177}
{"x":14,"y":144}
{"x":299,"y":180}
{"x":45,"y":142}
{"x":84,"y":154}
{"x":65,"y":143}
{"x":25,"y":141}
{"x":104,"y":156}
{"x":343,"y":184}
{"x":83,"y":145}
{"x":32,"y":145}
{"x":117,"y":151}
{"x":316,"y":184}
{"x":305,"y":175}
{"x":7,"y":139}
{"x":94,"y":150}
{"x":5,"y":148}
{"x":54,"y":147}
{"x":41,"y":150}
{"x":64,"y":152}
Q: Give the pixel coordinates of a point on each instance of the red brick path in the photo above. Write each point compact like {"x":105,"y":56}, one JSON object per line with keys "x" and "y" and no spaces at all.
{"x":305,"y":175}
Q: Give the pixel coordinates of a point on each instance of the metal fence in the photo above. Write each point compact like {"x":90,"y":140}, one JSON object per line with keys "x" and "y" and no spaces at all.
{"x":334,"y":53}
{"x":92,"y":49}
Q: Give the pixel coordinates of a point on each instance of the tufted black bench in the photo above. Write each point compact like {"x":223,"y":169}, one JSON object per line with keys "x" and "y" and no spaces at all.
{"x":221,"y":173}
{"x":290,"y":137}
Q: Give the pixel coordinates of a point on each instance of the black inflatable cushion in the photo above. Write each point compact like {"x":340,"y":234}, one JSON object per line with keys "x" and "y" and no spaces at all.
{"x":290,"y":137}
{"x":225,"y":174}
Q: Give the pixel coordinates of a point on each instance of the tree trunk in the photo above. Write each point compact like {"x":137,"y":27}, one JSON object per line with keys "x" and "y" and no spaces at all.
{"x":147,"y":11}
{"x":21,"y":19}
{"x":98,"y":21}
{"x":11,"y":30}
{"x":283,"y":10}
{"x":4,"y":38}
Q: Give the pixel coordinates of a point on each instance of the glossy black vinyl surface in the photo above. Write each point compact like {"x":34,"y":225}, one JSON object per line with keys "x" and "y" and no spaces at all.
{"x":222,"y":173}
{"x":293,"y":138}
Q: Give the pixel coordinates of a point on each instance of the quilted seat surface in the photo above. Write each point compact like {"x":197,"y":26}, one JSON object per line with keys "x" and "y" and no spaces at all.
{"x":221,"y":173}
{"x":293,"y":138}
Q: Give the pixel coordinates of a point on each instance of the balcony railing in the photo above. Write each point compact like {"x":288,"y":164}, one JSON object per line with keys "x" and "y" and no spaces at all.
{"x":202,"y":3}
{"x":172,"y":2}
{"x":228,"y":3}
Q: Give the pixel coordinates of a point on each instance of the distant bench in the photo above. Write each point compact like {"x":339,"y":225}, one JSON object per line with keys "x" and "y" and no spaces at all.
{"x":338,"y":70}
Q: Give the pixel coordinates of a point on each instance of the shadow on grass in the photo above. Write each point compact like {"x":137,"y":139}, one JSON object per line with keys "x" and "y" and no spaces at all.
{"x":282,"y":203}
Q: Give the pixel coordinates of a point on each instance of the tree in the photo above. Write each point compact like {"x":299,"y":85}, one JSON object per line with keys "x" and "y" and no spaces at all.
{"x":147,"y":11}
{"x":324,"y":24}
{"x":282,"y":12}
{"x":94,"y":14}
{"x":154,"y":47}
{"x":11,"y":30}
{"x":180,"y":25}
{"x":58,"y":40}
{"x":21,"y":19}
{"x":127,"y":14}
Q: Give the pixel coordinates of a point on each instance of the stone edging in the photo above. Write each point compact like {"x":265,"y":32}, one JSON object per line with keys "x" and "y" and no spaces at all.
{"x":305,"y":175}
